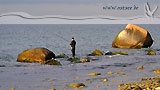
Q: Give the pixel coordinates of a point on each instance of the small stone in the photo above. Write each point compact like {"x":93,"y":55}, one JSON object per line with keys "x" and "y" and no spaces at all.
{"x":158,"y":71}
{"x":119,"y":85}
{"x":158,"y":88}
{"x":96,"y":53}
{"x":144,"y":84}
{"x":120,"y":71}
{"x":76,"y":77}
{"x":120,"y":89}
{"x":77,"y":86}
{"x":124,"y":75}
{"x":97,"y":86}
{"x":61,"y":56}
{"x":116,"y":53}
{"x":51,"y":79}
{"x":51,"y":62}
{"x":109,"y":72}
{"x":105,"y":80}
{"x":123,"y":66}
{"x":11,"y":89}
{"x":75,"y":60}
{"x":53,"y":89}
{"x":150,"y":52}
{"x":139,"y":67}
{"x":137,"y":88}
{"x":121,"y":81}
{"x":84,"y":60}
{"x":94,"y":74}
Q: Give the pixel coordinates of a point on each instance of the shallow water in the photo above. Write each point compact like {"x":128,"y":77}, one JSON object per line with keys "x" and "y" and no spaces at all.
{"x":16,"y":38}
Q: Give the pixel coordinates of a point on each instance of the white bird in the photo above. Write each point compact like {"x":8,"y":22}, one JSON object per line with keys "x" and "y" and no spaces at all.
{"x":150,"y":13}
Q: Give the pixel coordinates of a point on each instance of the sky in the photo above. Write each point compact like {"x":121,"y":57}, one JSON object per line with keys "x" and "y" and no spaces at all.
{"x":75,"y":7}
{"x":73,"y":1}
{"x":46,"y":1}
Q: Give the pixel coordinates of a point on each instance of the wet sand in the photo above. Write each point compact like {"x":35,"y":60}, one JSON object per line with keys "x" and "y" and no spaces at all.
{"x":25,"y":76}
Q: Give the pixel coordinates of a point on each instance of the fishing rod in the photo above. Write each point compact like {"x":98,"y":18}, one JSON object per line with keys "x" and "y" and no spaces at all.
{"x":61,"y":37}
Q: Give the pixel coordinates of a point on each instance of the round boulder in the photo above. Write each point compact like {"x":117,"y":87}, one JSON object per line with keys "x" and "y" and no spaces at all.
{"x":35,"y":55}
{"x":133,"y":36}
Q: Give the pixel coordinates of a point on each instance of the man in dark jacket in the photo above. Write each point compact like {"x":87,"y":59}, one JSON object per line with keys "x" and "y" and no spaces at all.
{"x":73,"y":44}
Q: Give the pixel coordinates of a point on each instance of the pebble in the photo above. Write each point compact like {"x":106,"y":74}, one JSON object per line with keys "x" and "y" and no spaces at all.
{"x":139,"y":67}
{"x":109,"y":72}
{"x":11,"y":89}
{"x":105,"y":80}
{"x":94,"y":74}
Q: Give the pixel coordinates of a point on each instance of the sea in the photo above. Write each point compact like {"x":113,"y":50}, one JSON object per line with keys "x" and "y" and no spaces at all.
{"x":15,"y":38}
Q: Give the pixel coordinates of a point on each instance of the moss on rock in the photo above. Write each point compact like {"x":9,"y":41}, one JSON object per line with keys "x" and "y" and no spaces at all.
{"x":115,"y":53}
{"x":61,"y":56}
{"x":150,"y":52}
{"x":76,"y":60}
{"x":96,"y":53}
{"x":51,"y":62}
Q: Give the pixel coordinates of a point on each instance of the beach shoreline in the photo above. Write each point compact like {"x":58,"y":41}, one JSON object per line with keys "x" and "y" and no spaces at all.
{"x":40,"y":77}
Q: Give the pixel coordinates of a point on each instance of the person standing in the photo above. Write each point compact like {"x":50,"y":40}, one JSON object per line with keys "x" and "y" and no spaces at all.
{"x":73,"y":44}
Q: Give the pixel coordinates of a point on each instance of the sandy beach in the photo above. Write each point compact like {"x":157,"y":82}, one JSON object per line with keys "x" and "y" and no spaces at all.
{"x":25,"y":76}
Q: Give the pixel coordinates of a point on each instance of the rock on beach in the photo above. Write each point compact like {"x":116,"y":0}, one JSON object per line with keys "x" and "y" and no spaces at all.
{"x":96,"y":53}
{"x":133,"y":36}
{"x":35,"y":55}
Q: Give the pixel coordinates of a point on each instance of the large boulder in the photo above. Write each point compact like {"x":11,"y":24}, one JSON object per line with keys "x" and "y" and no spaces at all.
{"x":133,"y":36}
{"x":35,"y":55}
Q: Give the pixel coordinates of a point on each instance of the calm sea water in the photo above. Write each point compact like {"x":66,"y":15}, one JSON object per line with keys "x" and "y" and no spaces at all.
{"x":16,"y":38}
